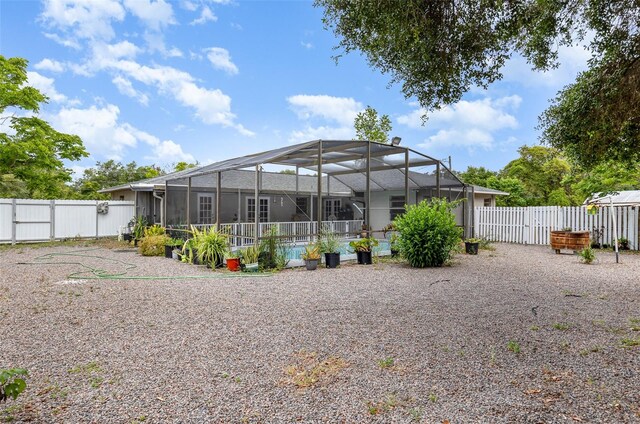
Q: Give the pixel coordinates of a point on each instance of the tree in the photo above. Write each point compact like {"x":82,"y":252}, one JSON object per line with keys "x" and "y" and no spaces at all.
{"x":597,"y":119}
{"x":477,"y":175}
{"x":370,"y":127}
{"x":32,"y":154}
{"x":541,"y":170}
{"x":110,"y":174}
{"x":517,"y":192}
{"x":609,"y":176}
{"x":438,"y":50}
{"x":181,"y":166}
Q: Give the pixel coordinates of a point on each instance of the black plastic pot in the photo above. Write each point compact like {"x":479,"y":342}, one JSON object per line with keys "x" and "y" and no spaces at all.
{"x":359,"y":257}
{"x":332,"y":260}
{"x":471,"y":248}
{"x":366,"y":258}
{"x":394,"y":253}
{"x":167,"y":251}
{"x":126,"y":237}
{"x":135,"y":242}
{"x":311,"y":264}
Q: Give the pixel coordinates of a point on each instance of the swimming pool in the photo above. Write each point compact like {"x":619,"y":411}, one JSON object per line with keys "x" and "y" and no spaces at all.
{"x":294,"y":252}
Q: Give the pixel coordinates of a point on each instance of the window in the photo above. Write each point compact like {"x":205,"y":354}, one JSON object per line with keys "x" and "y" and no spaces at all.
{"x":121,"y":197}
{"x":264,"y":209}
{"x":205,"y":208}
{"x":332,"y":208}
{"x":396,"y":206}
{"x":487,"y":201}
{"x":302,"y":205}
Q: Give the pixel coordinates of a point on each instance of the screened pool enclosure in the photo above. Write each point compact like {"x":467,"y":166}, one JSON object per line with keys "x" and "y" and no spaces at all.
{"x":345,"y":186}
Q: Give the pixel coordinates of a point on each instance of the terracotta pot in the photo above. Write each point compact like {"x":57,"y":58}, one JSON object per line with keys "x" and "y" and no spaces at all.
{"x":233,"y":264}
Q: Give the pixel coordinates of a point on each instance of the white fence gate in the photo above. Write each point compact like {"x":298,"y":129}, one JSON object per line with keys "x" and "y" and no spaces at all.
{"x":532,"y":225}
{"x":27,"y":220}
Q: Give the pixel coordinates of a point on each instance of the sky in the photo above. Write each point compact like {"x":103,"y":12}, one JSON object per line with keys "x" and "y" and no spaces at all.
{"x":158,"y":82}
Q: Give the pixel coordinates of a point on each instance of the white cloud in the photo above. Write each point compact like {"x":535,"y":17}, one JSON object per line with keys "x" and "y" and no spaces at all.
{"x":104,"y":135}
{"x":220,"y":59}
{"x":321,"y":132}
{"x":125,"y":87}
{"x":49,"y":65}
{"x":85,"y":19}
{"x":67,"y":42}
{"x":189,"y":5}
{"x":342,"y":110}
{"x":98,"y":128}
{"x":206,"y":15}
{"x":46,"y":86}
{"x":162,"y":150}
{"x":468,"y":123}
{"x":155,"y":14}
{"x":155,"y":42}
{"x":306,"y":45}
{"x":236,"y":26}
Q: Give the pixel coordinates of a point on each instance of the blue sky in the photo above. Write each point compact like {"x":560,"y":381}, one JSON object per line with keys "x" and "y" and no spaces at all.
{"x":160,"y":82}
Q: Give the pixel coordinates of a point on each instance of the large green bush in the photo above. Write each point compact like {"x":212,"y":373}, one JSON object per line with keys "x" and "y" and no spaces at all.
{"x":428,"y":233}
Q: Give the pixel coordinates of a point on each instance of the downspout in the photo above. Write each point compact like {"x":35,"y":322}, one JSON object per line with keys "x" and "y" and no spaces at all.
{"x":157,"y":196}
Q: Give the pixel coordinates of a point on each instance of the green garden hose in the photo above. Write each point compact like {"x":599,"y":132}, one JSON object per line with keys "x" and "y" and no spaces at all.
{"x":102,"y":274}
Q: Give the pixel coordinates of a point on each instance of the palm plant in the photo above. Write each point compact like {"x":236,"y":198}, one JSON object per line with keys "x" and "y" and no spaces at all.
{"x":211,"y":245}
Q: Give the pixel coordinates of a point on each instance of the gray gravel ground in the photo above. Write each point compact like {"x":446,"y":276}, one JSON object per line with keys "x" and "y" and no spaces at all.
{"x":227,"y":350}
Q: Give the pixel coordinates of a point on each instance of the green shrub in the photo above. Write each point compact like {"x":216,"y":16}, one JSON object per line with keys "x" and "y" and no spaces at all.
{"x":211,"y":245}
{"x":154,"y":230}
{"x":587,"y":255}
{"x":273,"y":251}
{"x":428,"y":233}
{"x":12,"y":383}
{"x":153,"y":245}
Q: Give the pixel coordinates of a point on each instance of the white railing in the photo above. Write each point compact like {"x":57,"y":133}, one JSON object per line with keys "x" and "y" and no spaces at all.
{"x":29,"y":220}
{"x":297,"y":232}
{"x":532,"y":225}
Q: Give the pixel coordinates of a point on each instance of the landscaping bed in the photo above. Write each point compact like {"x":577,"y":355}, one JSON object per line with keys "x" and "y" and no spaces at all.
{"x":518,"y":334}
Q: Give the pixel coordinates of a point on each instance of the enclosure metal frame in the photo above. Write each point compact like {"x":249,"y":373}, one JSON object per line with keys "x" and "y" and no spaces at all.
{"x":312,"y":156}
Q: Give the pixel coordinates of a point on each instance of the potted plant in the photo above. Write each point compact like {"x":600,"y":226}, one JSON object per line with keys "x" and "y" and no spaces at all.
{"x":170,"y":245}
{"x":311,"y":257}
{"x":623,"y":243}
{"x":188,"y":253}
{"x":137,"y":232}
{"x":211,"y":246}
{"x":394,"y":245}
{"x":329,"y":244}
{"x":363,"y":248}
{"x":250,"y":258}
{"x":471,"y":246}
{"x":233,"y":261}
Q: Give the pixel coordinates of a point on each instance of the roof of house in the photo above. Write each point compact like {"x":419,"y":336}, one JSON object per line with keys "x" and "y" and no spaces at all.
{"x":618,"y":198}
{"x":485,"y":190}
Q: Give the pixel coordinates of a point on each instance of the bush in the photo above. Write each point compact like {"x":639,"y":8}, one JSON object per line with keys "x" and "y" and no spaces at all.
{"x":587,"y":255}
{"x":428,"y":233}
{"x":273,"y":251}
{"x":12,"y":383}
{"x":153,"y":245}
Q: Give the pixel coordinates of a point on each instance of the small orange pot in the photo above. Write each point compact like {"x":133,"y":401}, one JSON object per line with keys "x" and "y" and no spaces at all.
{"x":233,"y":264}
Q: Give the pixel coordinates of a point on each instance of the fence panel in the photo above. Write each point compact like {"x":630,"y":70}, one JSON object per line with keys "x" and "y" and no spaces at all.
{"x":532,"y":225}
{"x":26,"y":220}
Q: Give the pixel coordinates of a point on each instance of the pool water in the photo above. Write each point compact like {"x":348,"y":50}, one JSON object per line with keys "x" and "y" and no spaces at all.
{"x":294,"y":252}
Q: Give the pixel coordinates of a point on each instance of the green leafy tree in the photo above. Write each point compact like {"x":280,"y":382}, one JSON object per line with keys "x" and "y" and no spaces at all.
{"x":110,"y":174}
{"x":438,"y":50}
{"x":597,"y":119}
{"x":181,"y":166}
{"x":32,"y":154}
{"x":541,"y":170}
{"x":517,"y":192}
{"x":609,"y":176}
{"x":369,"y":126}
{"x":477,"y":176}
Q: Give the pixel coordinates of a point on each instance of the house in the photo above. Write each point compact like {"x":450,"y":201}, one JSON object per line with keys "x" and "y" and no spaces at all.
{"x":615,"y":198}
{"x":345,"y":180}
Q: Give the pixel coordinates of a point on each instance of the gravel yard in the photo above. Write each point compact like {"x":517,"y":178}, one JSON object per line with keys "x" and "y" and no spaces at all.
{"x":518,"y":334}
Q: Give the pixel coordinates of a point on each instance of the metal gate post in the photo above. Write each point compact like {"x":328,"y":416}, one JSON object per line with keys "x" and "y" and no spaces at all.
{"x":13,"y":221}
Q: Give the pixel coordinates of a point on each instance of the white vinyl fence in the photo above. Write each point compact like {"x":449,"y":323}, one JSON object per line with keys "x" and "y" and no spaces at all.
{"x":28,"y":220}
{"x":532,"y":225}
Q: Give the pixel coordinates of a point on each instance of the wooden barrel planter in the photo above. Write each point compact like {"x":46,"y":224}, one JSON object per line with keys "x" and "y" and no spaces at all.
{"x":570,"y":240}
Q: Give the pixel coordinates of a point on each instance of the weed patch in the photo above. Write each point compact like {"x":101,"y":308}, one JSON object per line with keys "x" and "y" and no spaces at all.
{"x":309,"y":369}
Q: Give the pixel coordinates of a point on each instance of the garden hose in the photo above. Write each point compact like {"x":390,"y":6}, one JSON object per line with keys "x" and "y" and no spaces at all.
{"x":102,"y":274}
